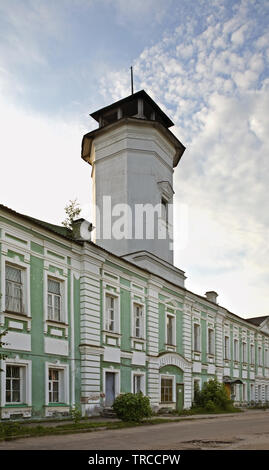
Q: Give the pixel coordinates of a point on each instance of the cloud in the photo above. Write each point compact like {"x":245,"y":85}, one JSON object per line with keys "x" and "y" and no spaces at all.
{"x":215,"y":88}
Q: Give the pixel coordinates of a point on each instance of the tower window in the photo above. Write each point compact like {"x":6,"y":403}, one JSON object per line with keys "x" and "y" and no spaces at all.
{"x":164,"y":205}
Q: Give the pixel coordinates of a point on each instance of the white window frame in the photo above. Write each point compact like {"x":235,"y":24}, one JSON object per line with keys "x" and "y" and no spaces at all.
{"x":259,"y":356}
{"x":173,"y":317}
{"x":63,"y":285}
{"x":236,"y":350}
{"x":143,"y":381}
{"x":198,"y":349}
{"x":136,"y":303}
{"x":170,"y":377}
{"x":244,"y":352}
{"x":64,"y":383}
{"x":116,"y":297}
{"x":228,"y":355}
{"x":25,"y":268}
{"x":252,"y":354}
{"x":212,"y":343}
{"x":26,"y":385}
{"x":266,"y":358}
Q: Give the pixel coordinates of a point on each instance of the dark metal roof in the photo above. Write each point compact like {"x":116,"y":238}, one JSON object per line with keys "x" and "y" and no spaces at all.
{"x":139,"y":94}
{"x":58,"y":229}
{"x":257,"y":320}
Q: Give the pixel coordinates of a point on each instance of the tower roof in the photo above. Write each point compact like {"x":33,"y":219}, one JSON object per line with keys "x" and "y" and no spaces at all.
{"x":139,"y":104}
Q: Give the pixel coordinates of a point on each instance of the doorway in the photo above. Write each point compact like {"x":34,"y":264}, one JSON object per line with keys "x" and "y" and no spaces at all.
{"x":180,"y":397}
{"x":110,"y":388}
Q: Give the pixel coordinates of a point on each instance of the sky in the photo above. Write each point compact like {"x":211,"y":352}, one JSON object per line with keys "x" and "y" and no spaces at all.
{"x":206,"y":64}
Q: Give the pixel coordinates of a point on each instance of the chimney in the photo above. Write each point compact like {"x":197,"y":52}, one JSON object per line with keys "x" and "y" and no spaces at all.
{"x":212,"y":296}
{"x":82,"y":230}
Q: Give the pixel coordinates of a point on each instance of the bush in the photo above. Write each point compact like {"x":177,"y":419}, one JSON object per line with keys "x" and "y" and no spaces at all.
{"x":132,"y":407}
{"x":212,"y":396}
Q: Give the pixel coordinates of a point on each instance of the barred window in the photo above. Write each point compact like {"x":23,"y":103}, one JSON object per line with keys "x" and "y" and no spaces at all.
{"x":14,"y":289}
{"x":166,"y":390}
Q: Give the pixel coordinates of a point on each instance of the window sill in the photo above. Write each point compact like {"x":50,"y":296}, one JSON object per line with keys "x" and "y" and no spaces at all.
{"x":16,"y":405}
{"x":17,"y":314}
{"x":135,"y":338}
{"x":56,"y":323}
{"x":115,"y":334}
{"x":52,"y":405}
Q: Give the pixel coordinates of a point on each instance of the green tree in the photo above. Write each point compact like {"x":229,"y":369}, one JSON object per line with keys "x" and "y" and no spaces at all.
{"x":72,"y":211}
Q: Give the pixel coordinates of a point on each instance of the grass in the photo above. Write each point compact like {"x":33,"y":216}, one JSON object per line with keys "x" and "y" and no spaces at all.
{"x":203,"y":411}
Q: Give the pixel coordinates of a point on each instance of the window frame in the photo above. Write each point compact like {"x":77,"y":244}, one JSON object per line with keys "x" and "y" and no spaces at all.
{"x":63,"y":293}
{"x":63,"y":370}
{"x":25,"y":385}
{"x":116,"y":320}
{"x":210,"y":341}
{"x":135,"y":304}
{"x":172,"y":379}
{"x":25,"y":269}
{"x":172,"y":316}
{"x":142,"y":381}
{"x":198,"y":341}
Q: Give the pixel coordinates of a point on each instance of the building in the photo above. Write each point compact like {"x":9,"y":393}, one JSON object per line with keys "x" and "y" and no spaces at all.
{"x":89,"y":319}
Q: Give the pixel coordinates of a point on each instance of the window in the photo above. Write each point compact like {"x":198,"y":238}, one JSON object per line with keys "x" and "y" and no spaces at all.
{"x":211,"y":348}
{"x":236,"y":355}
{"x":110,"y":320}
{"x":14,"y":384}
{"x":54,"y":385}
{"x":226,"y":347}
{"x":252,"y":357}
{"x":164,"y":206}
{"x":260,"y":356}
{"x":166,"y":390}
{"x":54,"y":300}
{"x":14,"y":289}
{"x":138,"y":383}
{"x":196,"y":334}
{"x":170,"y":330}
{"x":138,"y":321}
{"x":244,"y":352}
{"x":266,"y":361}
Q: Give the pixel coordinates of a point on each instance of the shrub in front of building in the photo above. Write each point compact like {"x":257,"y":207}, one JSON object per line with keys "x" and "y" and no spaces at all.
{"x":132,"y":407}
{"x":212,"y":397}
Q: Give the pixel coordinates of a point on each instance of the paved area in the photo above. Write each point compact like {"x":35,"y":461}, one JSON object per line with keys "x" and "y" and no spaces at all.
{"x":246,"y":431}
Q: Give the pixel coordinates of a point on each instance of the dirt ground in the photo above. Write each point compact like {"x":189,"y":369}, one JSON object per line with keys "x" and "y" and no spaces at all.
{"x":242,"y":431}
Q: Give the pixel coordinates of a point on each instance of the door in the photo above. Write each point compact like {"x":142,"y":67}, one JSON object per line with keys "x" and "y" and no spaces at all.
{"x":228,"y":389}
{"x":110,"y":388}
{"x":180,"y":396}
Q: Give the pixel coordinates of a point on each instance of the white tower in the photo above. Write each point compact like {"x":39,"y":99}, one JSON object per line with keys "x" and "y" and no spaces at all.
{"x":133,"y":154}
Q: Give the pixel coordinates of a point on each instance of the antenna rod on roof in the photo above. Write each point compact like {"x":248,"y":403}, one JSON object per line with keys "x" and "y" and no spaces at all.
{"x":132,"y":81}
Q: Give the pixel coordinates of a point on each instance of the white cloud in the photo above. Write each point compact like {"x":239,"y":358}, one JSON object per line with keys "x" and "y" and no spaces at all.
{"x":218,"y":98}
